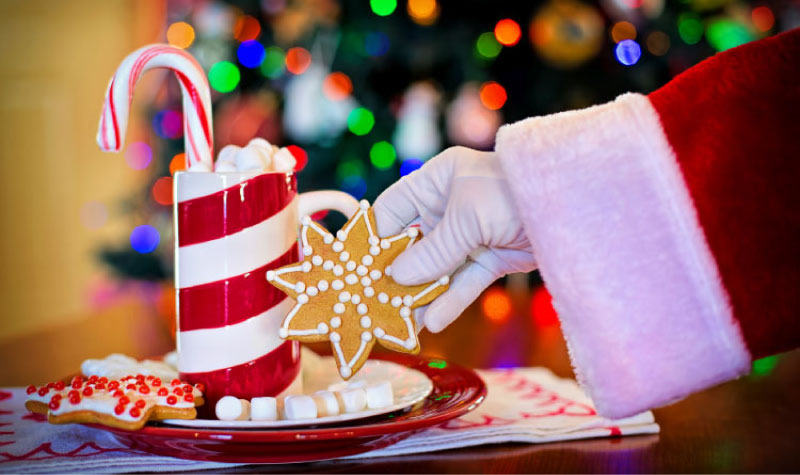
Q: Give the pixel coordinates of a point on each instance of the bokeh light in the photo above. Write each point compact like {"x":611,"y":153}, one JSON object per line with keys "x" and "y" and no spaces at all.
{"x":180,"y":34}
{"x":177,"y":163}
{"x":658,"y":43}
{"x":138,"y":155}
{"x":274,"y":63}
{"x":300,"y":155}
{"x":224,"y":76}
{"x":360,"y":121}
{"x":250,"y":53}
{"x":94,"y":214}
{"x":724,"y":34}
{"x":493,"y":95}
{"x":690,"y":28}
{"x":628,"y":52}
{"x":162,"y":190}
{"x":354,"y":186}
{"x":542,"y":311}
{"x":763,"y":18}
{"x":496,"y":304}
{"x":507,"y":32}
{"x":409,"y":165}
{"x":423,"y":12}
{"x":487,"y":46}
{"x":168,"y":124}
{"x":298,"y":60}
{"x":382,"y":155}
{"x":337,"y":86}
{"x":764,"y":366}
{"x":383,"y":7}
{"x":376,"y":43}
{"x":623,"y":30}
{"x":348,"y":168}
{"x":144,"y":239}
{"x":247,"y":28}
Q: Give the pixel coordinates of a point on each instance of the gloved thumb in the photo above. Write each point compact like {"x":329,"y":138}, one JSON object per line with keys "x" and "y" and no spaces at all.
{"x":465,"y":287}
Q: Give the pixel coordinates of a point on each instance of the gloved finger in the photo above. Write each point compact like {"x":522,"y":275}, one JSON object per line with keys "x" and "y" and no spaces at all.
{"x":465,"y":287}
{"x":439,"y":253}
{"x":419,"y":318}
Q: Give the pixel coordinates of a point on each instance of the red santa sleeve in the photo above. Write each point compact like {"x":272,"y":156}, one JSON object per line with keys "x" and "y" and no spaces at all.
{"x":666,"y":227}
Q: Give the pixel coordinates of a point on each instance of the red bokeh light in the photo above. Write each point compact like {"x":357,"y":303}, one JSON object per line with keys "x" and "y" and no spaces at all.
{"x":493,"y":95}
{"x":247,"y":28}
{"x":763,"y":18}
{"x":496,"y":304}
{"x":542,"y":311}
{"x":337,"y":86}
{"x":507,"y":32}
{"x":298,"y":60}
{"x":162,"y":190}
{"x":300,"y":155}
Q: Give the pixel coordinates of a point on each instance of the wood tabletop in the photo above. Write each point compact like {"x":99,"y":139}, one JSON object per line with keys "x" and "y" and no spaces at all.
{"x":748,"y":425}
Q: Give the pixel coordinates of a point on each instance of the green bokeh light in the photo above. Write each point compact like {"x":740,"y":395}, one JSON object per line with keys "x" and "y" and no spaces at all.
{"x":438,"y":364}
{"x":349,"y":168}
{"x":360,"y":121}
{"x":382,"y":155}
{"x":383,"y":7}
{"x":765,"y":366}
{"x":224,"y":76}
{"x":487,"y":45}
{"x":274,"y":62}
{"x":690,"y":28}
{"x":725,"y":34}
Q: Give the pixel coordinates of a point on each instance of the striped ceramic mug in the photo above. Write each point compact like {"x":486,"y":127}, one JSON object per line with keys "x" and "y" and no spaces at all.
{"x":230,"y":229}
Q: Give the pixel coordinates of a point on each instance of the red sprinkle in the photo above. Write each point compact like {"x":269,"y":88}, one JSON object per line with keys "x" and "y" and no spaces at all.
{"x":93,"y":378}
{"x":140,"y":377}
{"x":172,"y":400}
{"x":54,"y":404}
{"x":149,"y":377}
{"x":43,"y":391}
{"x":74,"y":398}
{"x":187,"y":389}
{"x":200,"y":387}
{"x":124,"y":400}
{"x":59,"y":385}
{"x":56,"y":397}
{"x":76,"y":384}
{"x":51,"y":385}
{"x":175,"y":382}
{"x":74,"y":392}
{"x":100,"y":386}
{"x":189,"y":397}
{"x":119,"y":409}
{"x":156,"y":382}
{"x":87,"y":391}
{"x":144,"y":389}
{"x":77,"y":379}
{"x":140,"y":404}
{"x":113,"y":385}
{"x":135,"y":412}
{"x":178,"y":391}
{"x":131,"y":387}
{"x":118,"y":393}
{"x":162,"y":391}
{"x":31,"y":389}
{"x":103,"y":380}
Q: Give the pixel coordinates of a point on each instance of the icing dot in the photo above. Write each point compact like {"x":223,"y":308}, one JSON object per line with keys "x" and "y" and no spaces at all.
{"x":410,"y":343}
{"x":396,"y":301}
{"x":361,"y":270}
{"x":388,"y":270}
{"x":344,"y":296}
{"x":299,"y":287}
{"x":322,"y":328}
{"x":328,"y":238}
{"x":316,"y":260}
{"x":369,"y":291}
{"x":345,"y":371}
{"x":412,"y":232}
{"x":322,"y":285}
{"x":355,"y":299}
{"x":307,"y":251}
{"x":306,"y":267}
{"x":338,"y":270}
{"x":338,"y":308}
{"x":408,"y":300}
{"x":375,"y":274}
{"x":283,"y":332}
{"x":363,"y":204}
{"x":312,"y":291}
{"x":351,"y":279}
{"x":385,"y":244}
{"x":374,"y":250}
{"x":366,"y":322}
{"x":270,"y":275}
{"x":366,"y":281}
{"x":344,"y":256}
{"x":341,"y":235}
{"x":383,"y":298}
{"x":405,"y":312}
{"x":336,"y":322}
{"x":373,"y":240}
{"x":328,"y":265}
{"x":335,"y":337}
{"x":362,"y":308}
{"x":367,"y":260}
{"x":338,"y":246}
{"x":337,"y":285}
{"x":379,"y":332}
{"x":444,"y":280}
{"x":302,"y":299}
{"x":350,"y":265}
{"x":366,"y":336}
{"x":305,"y":220}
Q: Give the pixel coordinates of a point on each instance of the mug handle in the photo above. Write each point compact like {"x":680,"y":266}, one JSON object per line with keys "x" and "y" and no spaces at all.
{"x":311,"y":202}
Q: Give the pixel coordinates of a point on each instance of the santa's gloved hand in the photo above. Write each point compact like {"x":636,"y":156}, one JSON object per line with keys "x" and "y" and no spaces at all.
{"x":462,"y":201}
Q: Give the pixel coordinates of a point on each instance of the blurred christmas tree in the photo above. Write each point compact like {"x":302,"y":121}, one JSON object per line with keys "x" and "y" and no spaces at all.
{"x":369,"y":90}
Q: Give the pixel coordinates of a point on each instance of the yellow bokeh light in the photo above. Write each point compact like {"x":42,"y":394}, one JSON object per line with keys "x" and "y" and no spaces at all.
{"x":180,"y":34}
{"x":423,"y":12}
{"x":623,"y":30}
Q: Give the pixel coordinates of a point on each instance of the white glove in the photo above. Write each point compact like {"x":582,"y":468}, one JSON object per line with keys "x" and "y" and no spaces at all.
{"x":462,"y":201}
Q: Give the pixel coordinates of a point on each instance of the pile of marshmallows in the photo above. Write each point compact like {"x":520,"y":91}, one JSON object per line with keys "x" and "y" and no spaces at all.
{"x":258,"y":155}
{"x":340,"y":398}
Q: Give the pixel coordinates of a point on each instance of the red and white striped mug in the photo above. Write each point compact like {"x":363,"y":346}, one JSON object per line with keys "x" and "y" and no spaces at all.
{"x":230,"y":229}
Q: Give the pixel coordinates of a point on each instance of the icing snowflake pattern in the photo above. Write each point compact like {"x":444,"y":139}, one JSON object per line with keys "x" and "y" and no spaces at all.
{"x":344,"y":292}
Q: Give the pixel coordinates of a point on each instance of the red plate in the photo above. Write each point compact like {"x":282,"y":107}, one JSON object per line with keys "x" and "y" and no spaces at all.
{"x":456,"y":391}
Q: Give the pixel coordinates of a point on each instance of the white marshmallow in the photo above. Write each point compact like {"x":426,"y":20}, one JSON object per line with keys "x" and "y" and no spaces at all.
{"x":352,"y":399}
{"x":264,"y":409}
{"x":326,"y":402}
{"x":230,"y":408}
{"x":379,"y":395}
{"x":300,"y":407}
{"x":249,"y":159}
{"x":283,"y":160}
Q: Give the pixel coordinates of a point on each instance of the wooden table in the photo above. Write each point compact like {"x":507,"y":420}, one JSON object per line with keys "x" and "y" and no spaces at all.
{"x":749,"y":425}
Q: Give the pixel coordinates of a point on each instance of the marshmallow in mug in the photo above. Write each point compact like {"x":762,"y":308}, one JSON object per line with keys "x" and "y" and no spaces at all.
{"x":258,"y":155}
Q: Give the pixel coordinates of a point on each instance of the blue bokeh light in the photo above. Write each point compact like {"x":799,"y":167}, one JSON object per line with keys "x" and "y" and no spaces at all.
{"x":251,"y":54}
{"x":145,"y":239}
{"x":355,"y":186}
{"x":376,"y":43}
{"x":168,"y":124}
{"x":628,"y":52}
{"x":409,"y":165}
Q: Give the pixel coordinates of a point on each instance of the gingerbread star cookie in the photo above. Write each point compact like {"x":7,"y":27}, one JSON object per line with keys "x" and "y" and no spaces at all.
{"x":345,"y":293}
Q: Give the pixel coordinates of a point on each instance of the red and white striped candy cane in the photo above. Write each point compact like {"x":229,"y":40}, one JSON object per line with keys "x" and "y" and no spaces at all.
{"x":197,"y":128}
